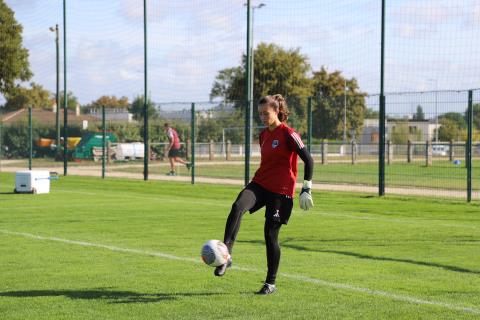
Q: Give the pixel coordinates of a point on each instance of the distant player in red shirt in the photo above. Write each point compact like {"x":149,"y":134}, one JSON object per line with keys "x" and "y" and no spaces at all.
{"x":273,"y":185}
{"x":173,"y":149}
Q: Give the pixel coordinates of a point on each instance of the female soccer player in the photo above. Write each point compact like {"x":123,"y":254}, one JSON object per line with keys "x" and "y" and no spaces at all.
{"x":273,"y":185}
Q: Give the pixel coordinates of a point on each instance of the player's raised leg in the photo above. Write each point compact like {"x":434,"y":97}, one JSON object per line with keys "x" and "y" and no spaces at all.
{"x":245,"y":201}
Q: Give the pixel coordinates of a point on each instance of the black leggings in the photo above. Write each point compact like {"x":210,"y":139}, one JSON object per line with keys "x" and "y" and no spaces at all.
{"x":246,"y":200}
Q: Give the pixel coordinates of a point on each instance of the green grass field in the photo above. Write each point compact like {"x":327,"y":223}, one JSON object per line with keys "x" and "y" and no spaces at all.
{"x":442,"y":174}
{"x":124,"y":249}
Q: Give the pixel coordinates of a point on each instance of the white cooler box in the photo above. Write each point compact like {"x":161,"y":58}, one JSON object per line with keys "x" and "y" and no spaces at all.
{"x":31,"y":181}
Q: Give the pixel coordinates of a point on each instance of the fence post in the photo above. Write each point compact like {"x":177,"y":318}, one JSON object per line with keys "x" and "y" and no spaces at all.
{"x":389,"y":152}
{"x":30,"y":138}
{"x":104,"y":137}
{"x":468,"y":152}
{"x":324,"y":151}
{"x":451,"y":154}
{"x":409,"y":151}
{"x":354,"y":152}
{"x":192,"y":140}
{"x":211,"y":148}
{"x":109,"y":149}
{"x":428,"y":153}
{"x":187,"y":148}
{"x":229,"y":150}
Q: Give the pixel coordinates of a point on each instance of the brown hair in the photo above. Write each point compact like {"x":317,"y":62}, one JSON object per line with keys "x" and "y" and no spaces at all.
{"x":278,"y":103}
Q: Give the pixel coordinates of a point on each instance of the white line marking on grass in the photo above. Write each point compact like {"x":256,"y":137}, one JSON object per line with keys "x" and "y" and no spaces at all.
{"x":97,"y":245}
{"x":324,"y":283}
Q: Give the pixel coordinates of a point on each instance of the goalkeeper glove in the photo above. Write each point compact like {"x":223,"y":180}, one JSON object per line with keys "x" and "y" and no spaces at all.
{"x":306,"y":201}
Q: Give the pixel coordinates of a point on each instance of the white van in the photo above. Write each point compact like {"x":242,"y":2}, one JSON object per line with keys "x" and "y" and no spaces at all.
{"x":440,"y":150}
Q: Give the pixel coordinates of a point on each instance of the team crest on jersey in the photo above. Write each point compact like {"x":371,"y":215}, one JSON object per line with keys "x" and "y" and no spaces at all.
{"x":275,"y":144}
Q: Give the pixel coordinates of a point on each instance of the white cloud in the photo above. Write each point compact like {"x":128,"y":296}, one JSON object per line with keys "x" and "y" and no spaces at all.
{"x":476,"y":14}
{"x":157,"y":10}
{"x":425,"y":11}
{"x":407,"y":30}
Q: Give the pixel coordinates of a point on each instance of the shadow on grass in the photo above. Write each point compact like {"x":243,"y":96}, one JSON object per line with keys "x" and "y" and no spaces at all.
{"x":103,"y":294}
{"x":370,"y":257}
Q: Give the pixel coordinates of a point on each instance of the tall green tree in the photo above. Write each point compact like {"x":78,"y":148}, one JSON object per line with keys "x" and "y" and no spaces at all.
{"x":276,"y":70}
{"x":227,"y":86}
{"x":455,"y":117}
{"x":138,"y":110}
{"x":449,"y":130}
{"x":35,"y":96}
{"x":371,"y":114}
{"x":476,"y":116}
{"x":72,"y":101}
{"x":335,"y":95}
{"x":419,"y":115}
{"x":13,"y":56}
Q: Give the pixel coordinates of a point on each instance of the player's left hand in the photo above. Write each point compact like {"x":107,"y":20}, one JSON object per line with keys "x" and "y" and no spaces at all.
{"x":306,"y":201}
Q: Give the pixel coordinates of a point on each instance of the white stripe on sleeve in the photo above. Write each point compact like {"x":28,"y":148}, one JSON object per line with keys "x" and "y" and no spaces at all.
{"x":297,"y":140}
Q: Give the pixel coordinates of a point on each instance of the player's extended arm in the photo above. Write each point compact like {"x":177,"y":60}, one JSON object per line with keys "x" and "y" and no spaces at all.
{"x":306,"y":201}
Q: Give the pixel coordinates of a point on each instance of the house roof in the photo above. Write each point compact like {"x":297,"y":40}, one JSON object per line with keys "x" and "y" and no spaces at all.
{"x":44,"y":117}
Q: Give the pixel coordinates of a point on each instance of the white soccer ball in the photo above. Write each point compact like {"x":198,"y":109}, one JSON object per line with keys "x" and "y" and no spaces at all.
{"x":215,"y":253}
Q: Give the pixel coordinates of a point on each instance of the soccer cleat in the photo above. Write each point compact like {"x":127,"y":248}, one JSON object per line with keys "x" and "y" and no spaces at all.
{"x":171,"y":173}
{"x":189,"y":165}
{"x":220,"y":270}
{"x":267,"y":289}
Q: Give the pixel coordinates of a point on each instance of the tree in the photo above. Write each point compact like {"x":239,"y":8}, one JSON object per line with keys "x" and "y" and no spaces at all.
{"x":399,"y":133}
{"x":419,"y":115}
{"x":14,"y":57}
{"x":276,"y":70}
{"x":329,"y":93}
{"x":449,"y":130}
{"x":371,"y":114}
{"x":72,"y":101}
{"x":476,"y":115}
{"x":138,"y":110}
{"x":456,"y":117}
{"x":225,"y":85}
{"x":35,"y":97}
{"x":110,"y":102}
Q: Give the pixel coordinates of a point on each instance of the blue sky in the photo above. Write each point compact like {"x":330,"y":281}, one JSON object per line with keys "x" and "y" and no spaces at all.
{"x":429,"y":43}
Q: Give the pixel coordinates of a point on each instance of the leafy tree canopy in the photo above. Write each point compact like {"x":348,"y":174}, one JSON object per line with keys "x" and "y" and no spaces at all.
{"x":288,"y":72}
{"x":13,"y":56}
{"x":335,"y":95}
{"x":110,"y":102}
{"x":276,"y":70}
{"x":138,"y":110}
{"x":72,"y":101}
{"x":419,"y":115}
{"x":449,"y":130}
{"x":456,"y":117}
{"x":35,"y":96}
{"x":476,"y":116}
{"x":371,"y":114}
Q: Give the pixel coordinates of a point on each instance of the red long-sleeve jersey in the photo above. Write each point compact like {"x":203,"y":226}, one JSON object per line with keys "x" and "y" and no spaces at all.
{"x":278,"y":167}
